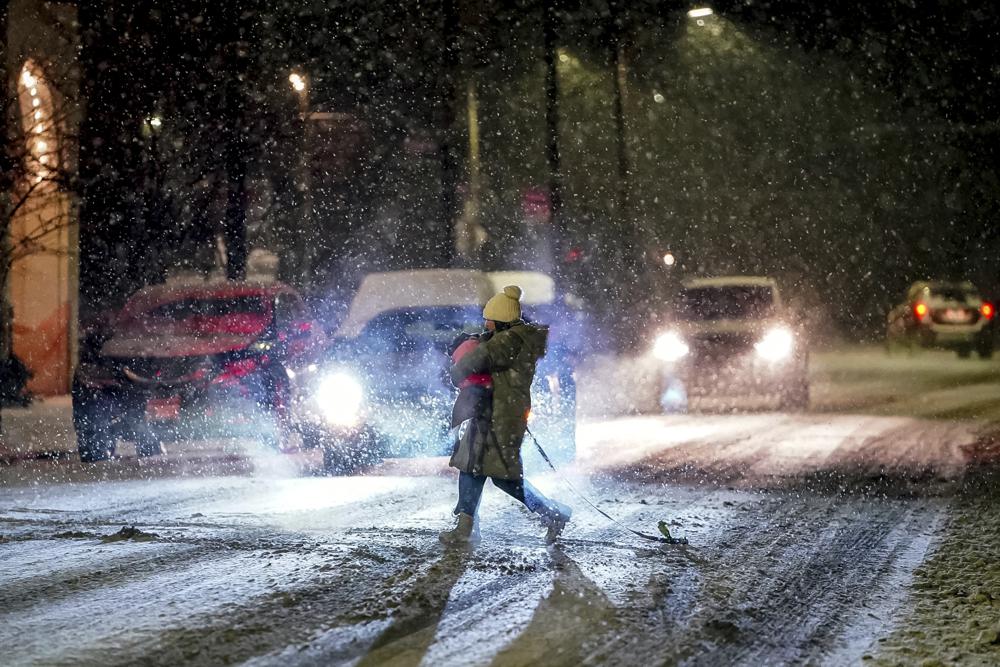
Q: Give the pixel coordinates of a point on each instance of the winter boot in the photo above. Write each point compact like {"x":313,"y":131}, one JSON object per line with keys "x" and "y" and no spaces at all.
{"x":555,"y":519}
{"x":465,"y":532}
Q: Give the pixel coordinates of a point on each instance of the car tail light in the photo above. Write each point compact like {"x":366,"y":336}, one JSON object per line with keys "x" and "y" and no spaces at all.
{"x":986,"y":310}
{"x":235,"y":369}
{"x":921,"y":310}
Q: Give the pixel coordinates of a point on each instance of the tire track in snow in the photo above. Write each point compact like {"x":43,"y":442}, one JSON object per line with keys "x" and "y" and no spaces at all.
{"x":359,"y":575}
{"x":782,"y":589}
{"x":99,"y":567}
{"x":96,"y":626}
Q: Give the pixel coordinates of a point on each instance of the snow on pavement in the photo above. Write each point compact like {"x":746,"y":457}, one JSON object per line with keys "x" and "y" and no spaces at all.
{"x":317,"y":570}
{"x":805,"y":531}
{"x":748,"y":448}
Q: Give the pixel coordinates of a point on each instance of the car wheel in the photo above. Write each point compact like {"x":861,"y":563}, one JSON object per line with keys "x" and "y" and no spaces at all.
{"x":556,"y":434}
{"x":147,"y":444}
{"x":964,"y":352}
{"x":312,"y":437}
{"x":276,"y":431}
{"x":673,"y":396}
{"x":892,"y":339}
{"x":277,"y":435}
{"x":94,"y":443}
{"x":335,"y":462}
{"x":984,"y":347}
{"x":796,"y":397}
{"x":343,"y":457}
{"x":96,"y":435}
{"x":553,"y":418}
{"x":898,"y":344}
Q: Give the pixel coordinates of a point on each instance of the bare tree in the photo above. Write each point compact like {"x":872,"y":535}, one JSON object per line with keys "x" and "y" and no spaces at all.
{"x":37,"y":175}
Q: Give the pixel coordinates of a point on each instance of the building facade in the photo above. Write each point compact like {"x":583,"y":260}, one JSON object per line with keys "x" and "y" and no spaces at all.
{"x":42,"y":286}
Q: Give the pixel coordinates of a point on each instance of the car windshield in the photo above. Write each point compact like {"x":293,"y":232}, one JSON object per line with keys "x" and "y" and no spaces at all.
{"x":954,"y":293}
{"x":731,"y":302}
{"x":244,"y":315}
{"x":421,"y":329}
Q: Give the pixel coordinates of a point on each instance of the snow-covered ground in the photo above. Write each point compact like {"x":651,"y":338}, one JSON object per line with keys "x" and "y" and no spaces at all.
{"x":805,"y":533}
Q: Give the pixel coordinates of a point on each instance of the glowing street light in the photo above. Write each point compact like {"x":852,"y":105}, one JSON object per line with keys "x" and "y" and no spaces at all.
{"x":28,"y":79}
{"x":700,"y":12}
{"x":298,"y":82}
{"x":669,"y":259}
{"x":156,"y":121}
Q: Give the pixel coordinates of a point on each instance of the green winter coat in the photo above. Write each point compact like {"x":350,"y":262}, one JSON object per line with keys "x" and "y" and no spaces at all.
{"x":493,"y":446}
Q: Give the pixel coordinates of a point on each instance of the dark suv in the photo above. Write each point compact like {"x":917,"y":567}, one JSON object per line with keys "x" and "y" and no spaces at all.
{"x":732,"y":335}
{"x":952,"y":316}
{"x":194,"y":361}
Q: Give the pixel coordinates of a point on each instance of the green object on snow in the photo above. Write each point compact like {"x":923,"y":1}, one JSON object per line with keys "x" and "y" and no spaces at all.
{"x":663,"y":529}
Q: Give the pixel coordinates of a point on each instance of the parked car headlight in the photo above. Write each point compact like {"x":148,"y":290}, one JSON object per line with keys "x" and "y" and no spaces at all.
{"x":776,"y":345}
{"x":670,"y":347}
{"x":340,"y":396}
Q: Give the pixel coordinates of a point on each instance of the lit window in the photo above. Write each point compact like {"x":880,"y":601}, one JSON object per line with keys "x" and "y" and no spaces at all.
{"x":35,"y":98}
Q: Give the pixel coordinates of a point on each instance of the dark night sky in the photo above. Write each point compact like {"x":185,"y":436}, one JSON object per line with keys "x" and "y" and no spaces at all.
{"x":939,"y":56}
{"x":381,"y":61}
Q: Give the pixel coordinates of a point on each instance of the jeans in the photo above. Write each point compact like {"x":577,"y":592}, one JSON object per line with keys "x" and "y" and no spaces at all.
{"x":470,"y":491}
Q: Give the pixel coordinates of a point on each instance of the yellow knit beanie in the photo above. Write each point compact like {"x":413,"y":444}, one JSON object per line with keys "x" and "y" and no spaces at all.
{"x":505,"y":306}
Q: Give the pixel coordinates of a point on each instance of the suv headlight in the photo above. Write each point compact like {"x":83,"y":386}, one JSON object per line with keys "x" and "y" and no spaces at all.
{"x":670,"y":347}
{"x":776,"y":345}
{"x":340,"y":396}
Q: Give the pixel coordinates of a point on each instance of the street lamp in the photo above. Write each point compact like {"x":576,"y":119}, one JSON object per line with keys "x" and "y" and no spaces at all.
{"x":700,"y":12}
{"x":302,"y":251}
{"x":669,"y":259}
{"x":300,"y":84}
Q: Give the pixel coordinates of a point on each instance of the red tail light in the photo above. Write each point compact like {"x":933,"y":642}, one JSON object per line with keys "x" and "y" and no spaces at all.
{"x":987,"y":310}
{"x":233,"y":370}
{"x":920,"y":310}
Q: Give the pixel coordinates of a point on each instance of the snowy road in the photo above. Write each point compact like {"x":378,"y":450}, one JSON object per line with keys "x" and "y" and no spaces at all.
{"x":805,"y":531}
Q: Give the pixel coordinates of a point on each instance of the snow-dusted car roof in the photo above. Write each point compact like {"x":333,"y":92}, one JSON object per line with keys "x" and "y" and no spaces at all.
{"x":730,"y":281}
{"x":153,"y":295}
{"x":395,"y":290}
{"x":537,"y":288}
{"x":943,"y":284}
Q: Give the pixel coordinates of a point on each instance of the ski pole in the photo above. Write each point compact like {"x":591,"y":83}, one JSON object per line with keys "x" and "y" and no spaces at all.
{"x":666,"y":539}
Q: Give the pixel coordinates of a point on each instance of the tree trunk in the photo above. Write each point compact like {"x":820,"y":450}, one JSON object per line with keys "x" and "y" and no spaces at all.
{"x":235,"y":224}
{"x":444,"y":248}
{"x":623,"y":196}
{"x":549,"y":36}
{"x":236,"y":130}
{"x":557,"y":231}
{"x":6,"y":99}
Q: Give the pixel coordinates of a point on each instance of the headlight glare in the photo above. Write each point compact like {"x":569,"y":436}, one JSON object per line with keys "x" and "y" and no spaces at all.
{"x":670,"y":347}
{"x":340,"y":396}
{"x":776,"y":345}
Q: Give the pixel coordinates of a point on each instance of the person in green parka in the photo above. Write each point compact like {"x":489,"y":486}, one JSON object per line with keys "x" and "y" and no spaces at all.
{"x":489,"y":446}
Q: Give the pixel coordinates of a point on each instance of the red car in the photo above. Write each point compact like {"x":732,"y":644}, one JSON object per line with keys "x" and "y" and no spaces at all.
{"x":206,"y":360}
